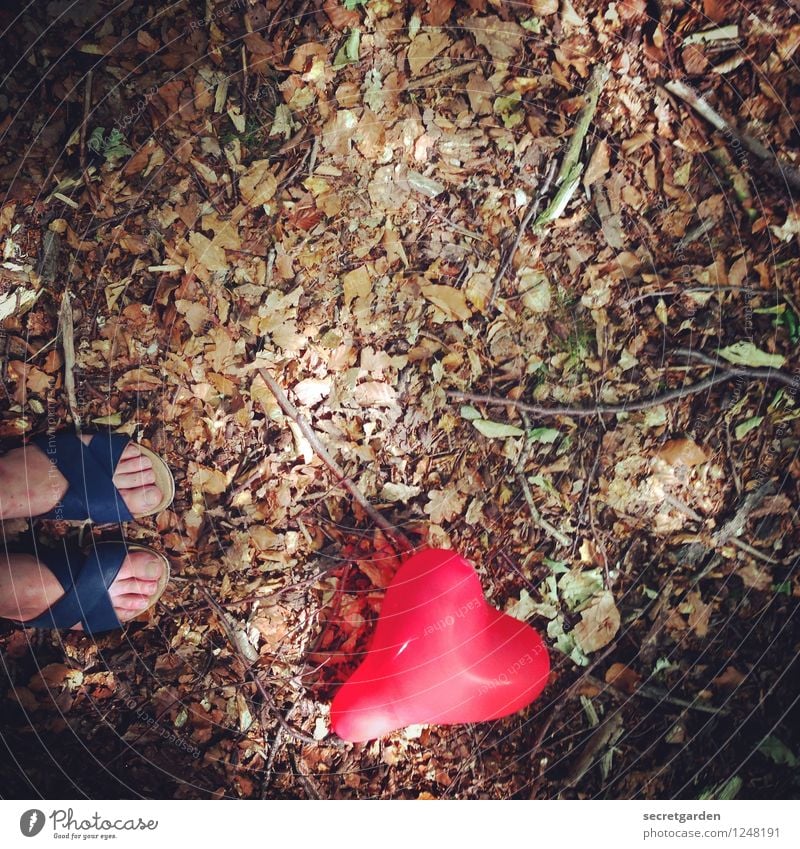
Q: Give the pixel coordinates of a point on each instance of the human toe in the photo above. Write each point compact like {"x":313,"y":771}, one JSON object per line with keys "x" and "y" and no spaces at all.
{"x":141,"y":565}
{"x":142,"y":499}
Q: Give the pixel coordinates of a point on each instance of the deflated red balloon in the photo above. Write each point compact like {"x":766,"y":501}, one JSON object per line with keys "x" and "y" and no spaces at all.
{"x":440,"y":655}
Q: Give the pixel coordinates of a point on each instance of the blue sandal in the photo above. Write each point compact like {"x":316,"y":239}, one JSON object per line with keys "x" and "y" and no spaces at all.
{"x":86,"y":600}
{"x":89,"y":470}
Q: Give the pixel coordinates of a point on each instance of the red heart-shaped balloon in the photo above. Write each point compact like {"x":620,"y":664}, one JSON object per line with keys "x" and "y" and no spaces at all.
{"x":440,"y":655}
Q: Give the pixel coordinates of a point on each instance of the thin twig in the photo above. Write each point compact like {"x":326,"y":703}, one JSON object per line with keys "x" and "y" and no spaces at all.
{"x":569,"y":173}
{"x":523,"y":226}
{"x":441,"y":76}
{"x":400,"y":541}
{"x":66,"y":330}
{"x":686,"y":93}
{"x":537,"y":517}
{"x":87,"y":108}
{"x":659,"y":293}
{"x":637,"y":404}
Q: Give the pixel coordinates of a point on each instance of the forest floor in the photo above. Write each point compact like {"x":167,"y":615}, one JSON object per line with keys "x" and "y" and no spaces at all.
{"x":329,"y":194}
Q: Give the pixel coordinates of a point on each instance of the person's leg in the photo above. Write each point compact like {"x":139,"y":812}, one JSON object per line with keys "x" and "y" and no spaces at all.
{"x":30,"y":485}
{"x":28,"y":588}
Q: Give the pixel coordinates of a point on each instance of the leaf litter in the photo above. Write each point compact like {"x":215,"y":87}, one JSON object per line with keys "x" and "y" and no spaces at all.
{"x":329,"y":197}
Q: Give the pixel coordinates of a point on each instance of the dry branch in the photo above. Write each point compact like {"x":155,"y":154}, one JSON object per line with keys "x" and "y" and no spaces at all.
{"x":400,"y":541}
{"x":523,"y":226}
{"x":635,"y":405}
{"x":66,"y":330}
{"x":703,"y":108}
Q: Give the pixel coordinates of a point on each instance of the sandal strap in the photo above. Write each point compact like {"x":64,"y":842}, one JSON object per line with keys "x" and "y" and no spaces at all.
{"x":85,"y":580}
{"x":89,"y":470}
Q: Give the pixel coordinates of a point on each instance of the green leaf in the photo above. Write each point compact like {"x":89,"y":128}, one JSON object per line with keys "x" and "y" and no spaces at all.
{"x":543,"y":483}
{"x":746,"y":354}
{"x":557,"y":567}
{"x":96,"y":139}
{"x":507,"y":107}
{"x":576,"y":588}
{"x":532,"y":25}
{"x":114,"y":420}
{"x":784,"y":588}
{"x":348,"y":52}
{"x":566,"y":642}
{"x":544,"y":434}
{"x":354,"y":4}
{"x":777,"y":751}
{"x":496,"y":430}
{"x":662,"y":664}
{"x":744,"y":428}
{"x":470,"y":413}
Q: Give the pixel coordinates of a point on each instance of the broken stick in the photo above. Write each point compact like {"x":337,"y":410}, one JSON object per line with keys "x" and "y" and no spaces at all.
{"x":703,"y":108}
{"x":66,"y":330}
{"x":400,"y":541}
{"x":569,"y":174}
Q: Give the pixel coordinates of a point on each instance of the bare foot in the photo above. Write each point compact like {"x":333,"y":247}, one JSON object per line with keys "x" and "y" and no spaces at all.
{"x":30,"y":485}
{"x":28,"y":588}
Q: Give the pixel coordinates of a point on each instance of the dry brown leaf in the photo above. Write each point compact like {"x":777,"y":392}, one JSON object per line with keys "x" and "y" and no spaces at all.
{"x":480,"y":93}
{"x":599,"y":163}
{"x":258,"y":184}
{"x":340,"y":17}
{"x":599,"y":623}
{"x":138,"y":380}
{"x":444,"y":504}
{"x":426,"y":46}
{"x":501,"y":38}
{"x":682,"y":452}
{"x":196,"y":314}
{"x":210,"y":481}
{"x":312,"y":390}
{"x":699,"y":613}
{"x":370,"y":135}
{"x":623,"y":678}
{"x":730,"y":678}
{"x":755,"y":577}
{"x":451,"y":301}
{"x":206,"y":253}
{"x":374,"y":393}
{"x":357,"y":284}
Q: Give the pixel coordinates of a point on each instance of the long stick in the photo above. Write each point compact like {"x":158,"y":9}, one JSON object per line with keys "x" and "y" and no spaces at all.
{"x":523,"y":226}
{"x":707,"y":111}
{"x":66,"y":330}
{"x":569,"y":173}
{"x":636,"y":404}
{"x":398,"y":538}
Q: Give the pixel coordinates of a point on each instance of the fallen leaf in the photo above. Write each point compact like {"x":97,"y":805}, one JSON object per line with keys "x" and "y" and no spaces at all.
{"x":599,"y":623}
{"x":357,"y":284}
{"x":258,"y":184}
{"x":450,"y":300}
{"x":399,"y":492}
{"x":755,"y":577}
{"x":502,"y":39}
{"x":682,"y":452}
{"x":206,"y":253}
{"x":445,"y":504}
{"x":622,"y":678}
{"x":496,"y":430}
{"x":426,"y":46}
{"x":746,"y":354}
{"x":730,"y":678}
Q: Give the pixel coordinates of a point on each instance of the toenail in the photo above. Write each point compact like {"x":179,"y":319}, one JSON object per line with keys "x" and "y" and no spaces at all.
{"x":151,"y":497}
